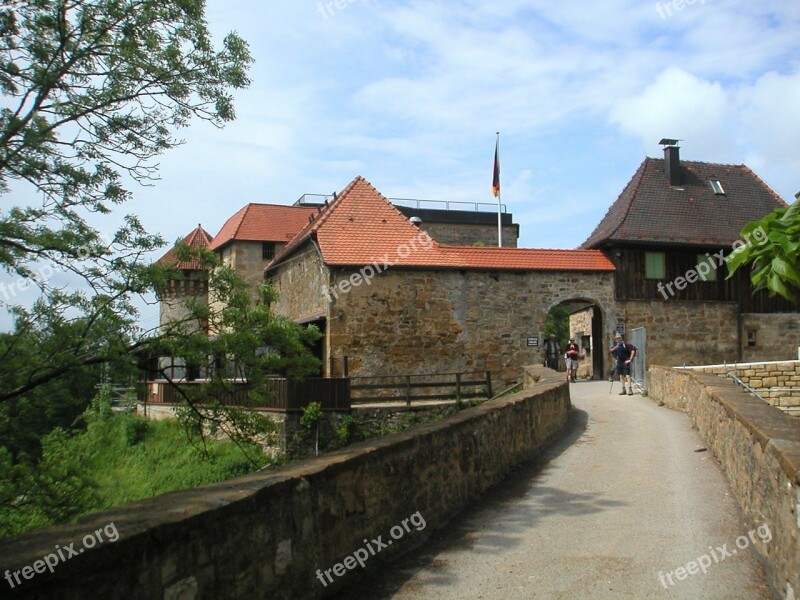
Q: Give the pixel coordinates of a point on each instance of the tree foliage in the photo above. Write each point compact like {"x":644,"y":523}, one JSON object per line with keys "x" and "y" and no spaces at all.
{"x":775,"y":261}
{"x":93,"y":92}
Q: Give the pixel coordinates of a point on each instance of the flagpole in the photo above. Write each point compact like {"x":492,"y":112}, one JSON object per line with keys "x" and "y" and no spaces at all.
{"x":499,"y":194}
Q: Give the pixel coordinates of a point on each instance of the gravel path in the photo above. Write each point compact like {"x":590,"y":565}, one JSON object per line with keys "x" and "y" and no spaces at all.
{"x":621,"y":497}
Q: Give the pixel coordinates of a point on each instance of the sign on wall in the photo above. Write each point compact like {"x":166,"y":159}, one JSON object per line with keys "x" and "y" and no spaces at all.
{"x":533,"y":341}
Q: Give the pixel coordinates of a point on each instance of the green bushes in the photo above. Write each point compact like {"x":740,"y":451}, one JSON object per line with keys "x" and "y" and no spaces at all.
{"x":119,"y":458}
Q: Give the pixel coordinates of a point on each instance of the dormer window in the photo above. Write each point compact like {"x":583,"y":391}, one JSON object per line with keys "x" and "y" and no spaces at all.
{"x":716,"y":186}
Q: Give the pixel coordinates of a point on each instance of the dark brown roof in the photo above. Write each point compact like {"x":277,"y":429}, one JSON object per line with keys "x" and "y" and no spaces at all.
{"x":197,"y":238}
{"x":649,"y":210}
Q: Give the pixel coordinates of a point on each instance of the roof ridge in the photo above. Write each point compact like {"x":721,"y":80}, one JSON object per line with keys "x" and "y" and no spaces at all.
{"x":495,"y":248}
{"x":313,"y":225}
{"x":700,"y":162}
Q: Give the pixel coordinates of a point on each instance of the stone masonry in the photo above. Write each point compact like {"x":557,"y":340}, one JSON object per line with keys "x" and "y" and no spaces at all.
{"x":273,"y":534}
{"x":776,"y":382}
{"x":758,"y":448}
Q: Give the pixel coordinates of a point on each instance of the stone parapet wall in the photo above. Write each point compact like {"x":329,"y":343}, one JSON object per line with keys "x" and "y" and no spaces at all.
{"x":776,"y":382}
{"x":759,"y":450}
{"x":265,"y":535}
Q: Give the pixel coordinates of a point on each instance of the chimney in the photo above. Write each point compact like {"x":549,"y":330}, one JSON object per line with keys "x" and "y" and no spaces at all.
{"x":672,"y":161}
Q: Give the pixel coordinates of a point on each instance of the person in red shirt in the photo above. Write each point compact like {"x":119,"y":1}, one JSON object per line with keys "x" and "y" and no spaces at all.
{"x":572,"y":356}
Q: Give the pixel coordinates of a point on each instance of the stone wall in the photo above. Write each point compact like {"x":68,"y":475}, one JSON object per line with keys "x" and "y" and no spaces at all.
{"x":301,"y":284}
{"x":275,"y":534}
{"x":465,"y":234}
{"x":246,"y":258}
{"x":759,"y":450}
{"x":692,"y":333}
{"x":776,"y":382}
{"x":419,"y":322}
{"x":777,"y":336}
{"x":172,"y":303}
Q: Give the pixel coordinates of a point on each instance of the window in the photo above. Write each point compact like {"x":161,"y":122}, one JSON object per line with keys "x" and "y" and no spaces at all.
{"x":268,"y":250}
{"x":706,"y":268}
{"x":716,"y":186}
{"x":751,"y":338}
{"x":654,"y":265}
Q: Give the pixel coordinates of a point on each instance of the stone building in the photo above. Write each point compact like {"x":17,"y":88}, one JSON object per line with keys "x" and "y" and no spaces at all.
{"x":395,"y":301}
{"x":189,"y":283}
{"x":667,"y":234}
{"x":407,"y":290}
{"x":190,"y":280}
{"x":255,"y":233}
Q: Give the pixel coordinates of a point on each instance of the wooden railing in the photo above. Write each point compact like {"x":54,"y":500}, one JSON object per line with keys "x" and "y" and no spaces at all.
{"x":334,"y":393}
{"x":278,"y":394}
{"x":433,"y":386}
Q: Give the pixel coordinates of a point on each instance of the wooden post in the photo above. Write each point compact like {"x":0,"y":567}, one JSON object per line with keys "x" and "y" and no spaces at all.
{"x":458,"y":387}
{"x":408,"y":390}
{"x":488,"y":384}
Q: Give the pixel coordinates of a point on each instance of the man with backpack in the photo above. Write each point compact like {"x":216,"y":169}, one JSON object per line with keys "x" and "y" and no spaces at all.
{"x":624,"y":353}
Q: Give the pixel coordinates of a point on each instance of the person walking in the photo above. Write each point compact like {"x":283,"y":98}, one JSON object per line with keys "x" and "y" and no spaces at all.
{"x":624,"y":353}
{"x":572,"y":356}
{"x":552,"y":350}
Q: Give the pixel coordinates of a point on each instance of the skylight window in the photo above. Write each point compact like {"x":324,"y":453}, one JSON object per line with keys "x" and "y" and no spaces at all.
{"x":717,"y":187}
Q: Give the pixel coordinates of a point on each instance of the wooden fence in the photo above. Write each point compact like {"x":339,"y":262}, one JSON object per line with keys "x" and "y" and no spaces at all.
{"x":433,"y":386}
{"x":278,"y":394}
{"x":333,"y":393}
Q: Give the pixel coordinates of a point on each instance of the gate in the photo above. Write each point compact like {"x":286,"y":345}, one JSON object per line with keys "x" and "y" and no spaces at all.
{"x":638,"y":338}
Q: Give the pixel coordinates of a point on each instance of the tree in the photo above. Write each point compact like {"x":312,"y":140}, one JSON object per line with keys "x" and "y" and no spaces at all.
{"x":772,"y":251}
{"x":94,"y":91}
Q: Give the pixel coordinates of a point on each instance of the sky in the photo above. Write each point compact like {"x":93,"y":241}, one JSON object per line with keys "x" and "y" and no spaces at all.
{"x":409,"y":94}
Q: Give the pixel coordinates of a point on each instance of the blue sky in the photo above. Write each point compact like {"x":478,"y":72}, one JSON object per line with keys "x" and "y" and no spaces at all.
{"x":409,"y":94}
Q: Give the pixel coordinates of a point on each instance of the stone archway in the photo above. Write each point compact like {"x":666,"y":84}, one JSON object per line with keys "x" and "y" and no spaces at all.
{"x":587,"y":324}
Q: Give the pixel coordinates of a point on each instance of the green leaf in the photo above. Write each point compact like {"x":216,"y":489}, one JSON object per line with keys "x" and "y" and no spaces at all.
{"x":786,"y":270}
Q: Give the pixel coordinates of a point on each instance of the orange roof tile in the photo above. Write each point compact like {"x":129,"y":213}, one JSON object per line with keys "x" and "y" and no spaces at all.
{"x":263,"y":223}
{"x":197,"y":238}
{"x":362,"y":227}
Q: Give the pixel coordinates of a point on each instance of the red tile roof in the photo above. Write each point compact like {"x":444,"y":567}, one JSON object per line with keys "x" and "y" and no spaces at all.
{"x":197,"y":238}
{"x":263,"y":223}
{"x":362,"y":227}
{"x":650,"y":210}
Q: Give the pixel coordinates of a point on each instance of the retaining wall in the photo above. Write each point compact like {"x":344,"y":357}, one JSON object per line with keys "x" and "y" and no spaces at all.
{"x":759,"y":449}
{"x":274,"y":534}
{"x":778,"y":382}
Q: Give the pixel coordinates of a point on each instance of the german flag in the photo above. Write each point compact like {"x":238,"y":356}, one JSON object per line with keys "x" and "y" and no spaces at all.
{"x":496,"y":175}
